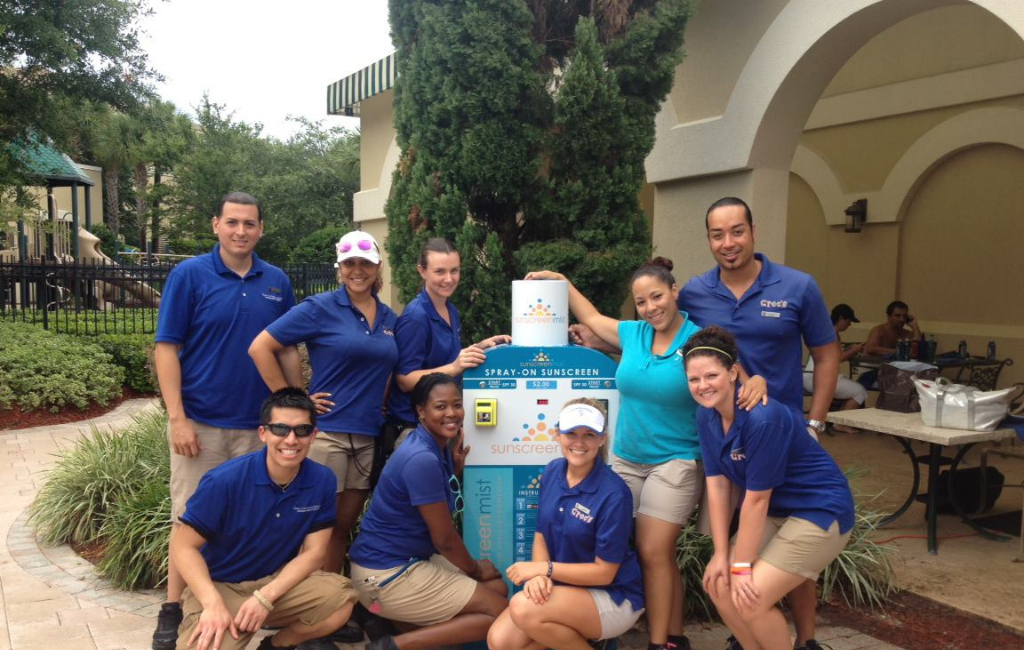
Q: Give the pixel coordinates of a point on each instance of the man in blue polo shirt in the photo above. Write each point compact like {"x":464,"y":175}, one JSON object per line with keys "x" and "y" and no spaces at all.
{"x":772,"y":310}
{"x":255,"y":534}
{"x":212,"y":307}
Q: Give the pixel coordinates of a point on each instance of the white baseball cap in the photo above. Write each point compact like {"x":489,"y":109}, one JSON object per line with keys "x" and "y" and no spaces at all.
{"x":581,"y":415}
{"x":358,"y":244}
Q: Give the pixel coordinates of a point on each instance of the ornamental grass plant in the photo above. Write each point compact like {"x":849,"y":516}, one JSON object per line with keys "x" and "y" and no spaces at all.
{"x":110,"y":489}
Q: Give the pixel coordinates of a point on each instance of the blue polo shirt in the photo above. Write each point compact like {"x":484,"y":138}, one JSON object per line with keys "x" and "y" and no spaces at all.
{"x":393,"y":531}
{"x":350,"y":360}
{"x":424,"y":340}
{"x":592,"y":520}
{"x":214,"y":315}
{"x":779,"y":313}
{"x":768,"y":449}
{"x":252,"y":527}
{"x":656,"y":411}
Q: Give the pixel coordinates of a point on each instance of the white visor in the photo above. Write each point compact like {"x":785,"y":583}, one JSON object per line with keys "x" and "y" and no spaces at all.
{"x":581,"y":415}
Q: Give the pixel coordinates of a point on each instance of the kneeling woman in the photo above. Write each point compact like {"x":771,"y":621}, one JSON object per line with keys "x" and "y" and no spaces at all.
{"x":408,"y":562}
{"x":584,"y":581}
{"x":797,"y":509}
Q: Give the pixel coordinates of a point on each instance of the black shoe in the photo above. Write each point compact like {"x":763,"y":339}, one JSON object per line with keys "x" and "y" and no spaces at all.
{"x":374,"y":626}
{"x":321,"y":643}
{"x":732,"y":644}
{"x":603,"y":644}
{"x":386,"y":642}
{"x":167,"y":622}
{"x":349,"y":633}
{"x":812,"y":645}
{"x":680,"y":642}
{"x":267,"y":644}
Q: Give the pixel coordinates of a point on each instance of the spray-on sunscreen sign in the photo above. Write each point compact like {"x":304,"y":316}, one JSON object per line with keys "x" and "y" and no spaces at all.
{"x":540,"y":312}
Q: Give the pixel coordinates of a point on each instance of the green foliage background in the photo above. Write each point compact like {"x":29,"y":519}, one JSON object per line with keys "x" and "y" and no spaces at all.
{"x":523,"y":128}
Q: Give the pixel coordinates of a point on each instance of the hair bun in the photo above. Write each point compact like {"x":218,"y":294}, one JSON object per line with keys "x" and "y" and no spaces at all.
{"x":663,"y":262}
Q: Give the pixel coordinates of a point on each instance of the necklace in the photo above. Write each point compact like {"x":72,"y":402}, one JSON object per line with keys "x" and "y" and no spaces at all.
{"x":284,"y":486}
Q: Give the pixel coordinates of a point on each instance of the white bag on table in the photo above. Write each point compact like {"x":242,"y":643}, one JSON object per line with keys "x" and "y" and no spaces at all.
{"x":954,"y":406}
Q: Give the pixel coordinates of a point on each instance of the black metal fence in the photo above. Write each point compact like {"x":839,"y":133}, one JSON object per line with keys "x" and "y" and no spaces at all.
{"x":108,"y":298}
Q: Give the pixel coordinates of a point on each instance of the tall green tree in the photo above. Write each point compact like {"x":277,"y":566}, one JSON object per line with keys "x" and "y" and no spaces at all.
{"x":57,"y":57}
{"x":166,"y":135}
{"x":524,"y":126}
{"x":115,"y":142}
{"x":228,"y":155}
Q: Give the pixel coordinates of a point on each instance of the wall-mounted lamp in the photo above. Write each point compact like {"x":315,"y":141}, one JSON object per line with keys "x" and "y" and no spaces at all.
{"x":856,"y":215}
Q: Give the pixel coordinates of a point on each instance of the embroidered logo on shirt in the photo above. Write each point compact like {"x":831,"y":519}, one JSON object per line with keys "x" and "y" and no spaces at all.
{"x":271,"y":296}
{"x":582,"y":513}
{"x":771,"y":314}
{"x":312,"y":508}
{"x":388,"y":332}
{"x":737,"y":454}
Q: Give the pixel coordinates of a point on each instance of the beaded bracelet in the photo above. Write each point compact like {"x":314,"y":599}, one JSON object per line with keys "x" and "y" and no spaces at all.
{"x":262,"y":600}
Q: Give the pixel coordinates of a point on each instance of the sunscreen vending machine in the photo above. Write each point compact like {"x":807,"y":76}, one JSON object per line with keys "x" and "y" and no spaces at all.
{"x":512,"y":404}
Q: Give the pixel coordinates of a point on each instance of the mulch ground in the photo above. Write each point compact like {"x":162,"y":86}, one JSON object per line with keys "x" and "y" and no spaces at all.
{"x":917,"y":623}
{"x":15,"y":418}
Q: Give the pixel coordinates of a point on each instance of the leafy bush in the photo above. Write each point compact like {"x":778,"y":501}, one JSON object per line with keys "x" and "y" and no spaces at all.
{"x":317,"y":246}
{"x":108,"y":240}
{"x":40,"y":369}
{"x":134,"y":354}
{"x":862,"y":574}
{"x":111,"y":488}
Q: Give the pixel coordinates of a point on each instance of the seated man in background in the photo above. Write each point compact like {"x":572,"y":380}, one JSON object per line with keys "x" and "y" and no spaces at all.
{"x":853,"y":394}
{"x":255,"y":535}
{"x":883,"y":338}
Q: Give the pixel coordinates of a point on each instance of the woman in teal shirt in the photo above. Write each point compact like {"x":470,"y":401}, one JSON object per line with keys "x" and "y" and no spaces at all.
{"x":656,"y":447}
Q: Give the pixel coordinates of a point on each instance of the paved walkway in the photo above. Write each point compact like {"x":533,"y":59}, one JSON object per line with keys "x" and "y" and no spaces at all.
{"x":51,"y":599}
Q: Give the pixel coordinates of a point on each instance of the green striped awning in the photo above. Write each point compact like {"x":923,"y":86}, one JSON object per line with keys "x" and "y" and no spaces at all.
{"x":343,"y":96}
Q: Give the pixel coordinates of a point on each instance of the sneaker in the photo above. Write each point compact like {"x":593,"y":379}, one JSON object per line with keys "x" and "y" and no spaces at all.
{"x":386,"y":642}
{"x":603,"y":644}
{"x":733,"y":644}
{"x":812,"y":645}
{"x":349,"y":633}
{"x":167,"y":622}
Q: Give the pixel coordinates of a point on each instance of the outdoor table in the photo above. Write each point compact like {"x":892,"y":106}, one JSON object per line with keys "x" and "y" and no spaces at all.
{"x":905,"y":427}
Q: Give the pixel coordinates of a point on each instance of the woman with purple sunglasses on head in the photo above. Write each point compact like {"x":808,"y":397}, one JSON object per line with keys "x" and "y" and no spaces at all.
{"x":349,"y":335}
{"x":428,"y":333}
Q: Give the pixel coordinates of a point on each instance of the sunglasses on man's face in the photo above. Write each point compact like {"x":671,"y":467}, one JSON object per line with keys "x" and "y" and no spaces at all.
{"x":282,"y":430}
{"x":362,"y":244}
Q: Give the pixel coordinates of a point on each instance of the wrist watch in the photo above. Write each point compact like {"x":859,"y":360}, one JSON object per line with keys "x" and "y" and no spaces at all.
{"x":817,"y":425}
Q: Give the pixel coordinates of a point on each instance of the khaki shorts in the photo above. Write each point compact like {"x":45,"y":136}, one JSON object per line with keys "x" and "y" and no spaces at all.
{"x":425,"y":594}
{"x":799,"y":547}
{"x":348,"y":455}
{"x":310,"y":602}
{"x":403,"y":434}
{"x":668,"y":491}
{"x":219,"y":446}
{"x":616,"y":620}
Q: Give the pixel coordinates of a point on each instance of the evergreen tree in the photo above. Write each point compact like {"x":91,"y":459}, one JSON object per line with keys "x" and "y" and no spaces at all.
{"x":523,"y":128}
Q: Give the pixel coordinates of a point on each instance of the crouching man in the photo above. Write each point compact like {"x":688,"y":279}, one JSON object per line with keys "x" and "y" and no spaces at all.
{"x":255,"y":535}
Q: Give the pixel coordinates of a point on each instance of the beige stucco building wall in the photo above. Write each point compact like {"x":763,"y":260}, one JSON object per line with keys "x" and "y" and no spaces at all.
{"x":803,"y":106}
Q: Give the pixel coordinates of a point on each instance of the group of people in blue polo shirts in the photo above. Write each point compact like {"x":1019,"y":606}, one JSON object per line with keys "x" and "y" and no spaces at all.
{"x":270,"y":514}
